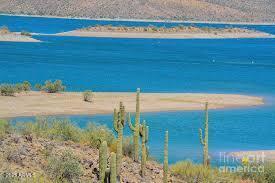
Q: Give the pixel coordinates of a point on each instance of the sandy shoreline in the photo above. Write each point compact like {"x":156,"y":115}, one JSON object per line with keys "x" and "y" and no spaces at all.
{"x":37,"y":103}
{"x":16,"y":37}
{"x":269,"y":155}
{"x":144,"y":20}
{"x":82,"y":33}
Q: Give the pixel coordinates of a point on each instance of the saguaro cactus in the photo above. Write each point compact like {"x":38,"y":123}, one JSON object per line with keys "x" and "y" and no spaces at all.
{"x":165,"y":161}
{"x":135,"y":128}
{"x":119,"y":122}
{"x":144,"y":136}
{"x":107,"y":174}
{"x":204,"y":138}
{"x":102,"y":161}
{"x":113,"y":178}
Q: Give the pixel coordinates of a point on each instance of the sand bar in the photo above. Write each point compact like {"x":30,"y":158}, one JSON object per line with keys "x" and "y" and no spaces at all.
{"x":269,"y":155}
{"x":166,"y":35}
{"x":40,"y":103}
{"x":17,"y":37}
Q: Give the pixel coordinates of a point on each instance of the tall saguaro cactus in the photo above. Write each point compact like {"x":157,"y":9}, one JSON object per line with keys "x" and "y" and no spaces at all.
{"x":165,"y":161}
{"x":113,"y":176}
{"x":119,"y":122}
{"x":102,"y":161}
{"x":144,"y":130}
{"x":135,"y":128}
{"x":204,"y":138}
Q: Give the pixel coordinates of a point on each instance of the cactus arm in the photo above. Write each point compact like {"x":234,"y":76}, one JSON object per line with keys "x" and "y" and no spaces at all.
{"x":115,"y":120}
{"x":122,"y":113}
{"x":146,"y":134}
{"x":137,"y":117}
{"x":143,"y":150}
{"x":201,"y":139}
{"x":130,"y":123}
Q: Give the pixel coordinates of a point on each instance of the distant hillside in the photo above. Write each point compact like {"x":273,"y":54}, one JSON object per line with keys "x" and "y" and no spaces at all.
{"x":199,"y":10}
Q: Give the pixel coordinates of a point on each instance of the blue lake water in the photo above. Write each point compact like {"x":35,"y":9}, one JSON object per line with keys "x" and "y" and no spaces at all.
{"x":241,"y":66}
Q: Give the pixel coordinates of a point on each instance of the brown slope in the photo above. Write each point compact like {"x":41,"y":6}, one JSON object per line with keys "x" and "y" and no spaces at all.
{"x":202,"y":10}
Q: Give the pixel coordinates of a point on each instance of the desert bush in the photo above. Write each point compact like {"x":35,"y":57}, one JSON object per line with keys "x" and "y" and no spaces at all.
{"x":190,"y":172}
{"x":95,"y":134}
{"x":19,"y":87}
{"x":63,"y":129}
{"x":7,"y":90}
{"x":38,"y":86}
{"x":57,"y":129}
{"x":64,"y":167}
{"x":88,"y":96}
{"x":25,"y":33}
{"x":4,"y":127}
{"x":4,"y":30}
{"x":53,"y":87}
{"x":26,"y":85}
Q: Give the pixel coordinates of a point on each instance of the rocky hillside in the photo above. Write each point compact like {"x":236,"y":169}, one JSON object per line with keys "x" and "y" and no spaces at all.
{"x":199,"y":10}
{"x":26,"y":154}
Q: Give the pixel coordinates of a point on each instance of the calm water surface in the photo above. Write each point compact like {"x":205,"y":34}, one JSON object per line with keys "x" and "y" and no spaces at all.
{"x":242,"y":66}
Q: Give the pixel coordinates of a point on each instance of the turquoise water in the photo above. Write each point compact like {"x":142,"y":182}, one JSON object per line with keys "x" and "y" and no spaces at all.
{"x":242,"y":66}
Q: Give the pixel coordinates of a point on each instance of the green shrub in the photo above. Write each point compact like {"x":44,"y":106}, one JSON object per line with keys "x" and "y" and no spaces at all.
{"x":4,"y":127}
{"x":53,"y":87}
{"x":38,"y":86}
{"x":26,"y":86}
{"x":19,"y":87}
{"x":64,"y":167}
{"x":190,"y":172}
{"x":7,"y":90}
{"x":95,"y":134}
{"x":4,"y":30}
{"x":25,"y":33}
{"x":88,"y":96}
{"x":64,"y":130}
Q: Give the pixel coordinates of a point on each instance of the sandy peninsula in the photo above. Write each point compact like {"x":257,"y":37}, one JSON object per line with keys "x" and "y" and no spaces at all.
{"x":40,"y":103}
{"x":178,"y":32}
{"x":269,"y":155}
{"x":7,"y":35}
{"x":17,"y":37}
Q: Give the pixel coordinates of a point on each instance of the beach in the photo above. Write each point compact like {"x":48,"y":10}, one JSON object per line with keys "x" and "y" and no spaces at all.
{"x":82,"y":33}
{"x":40,"y":103}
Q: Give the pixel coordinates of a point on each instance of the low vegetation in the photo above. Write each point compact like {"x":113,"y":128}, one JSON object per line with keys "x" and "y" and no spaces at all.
{"x":4,"y":30}
{"x":88,"y":96}
{"x":25,"y":33}
{"x":51,"y":87}
{"x":64,"y":167}
{"x":64,"y":130}
{"x":12,"y":89}
{"x":7,"y":89}
{"x":155,"y":29}
{"x":190,"y":172}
